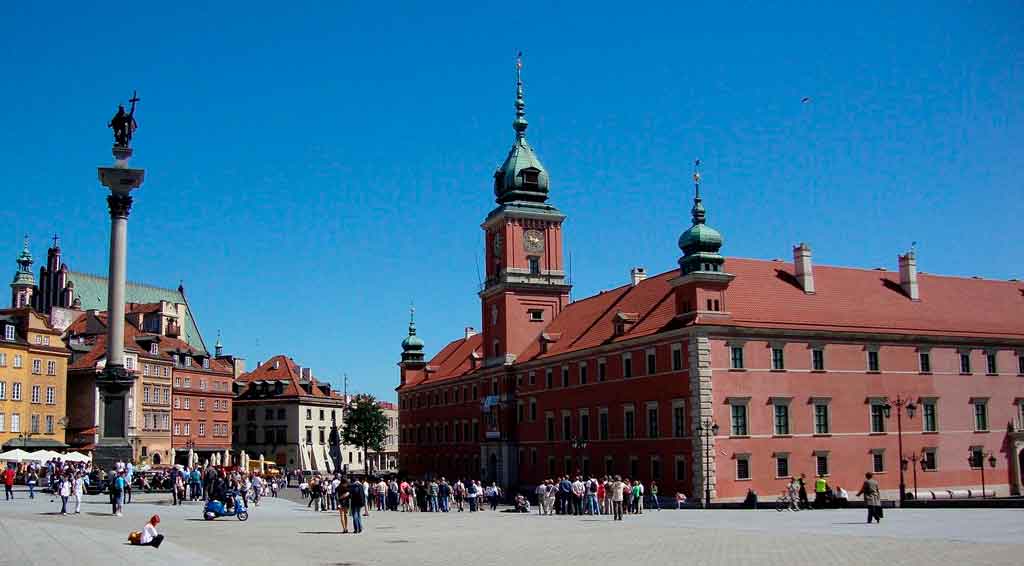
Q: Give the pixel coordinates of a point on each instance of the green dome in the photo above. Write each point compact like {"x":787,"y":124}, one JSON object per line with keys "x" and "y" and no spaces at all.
{"x":412,"y":343}
{"x":700,"y":237}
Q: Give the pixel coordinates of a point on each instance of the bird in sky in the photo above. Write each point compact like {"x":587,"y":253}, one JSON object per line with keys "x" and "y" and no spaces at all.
{"x":806,"y":100}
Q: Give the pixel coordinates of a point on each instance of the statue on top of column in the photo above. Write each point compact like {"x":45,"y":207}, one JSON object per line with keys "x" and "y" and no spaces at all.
{"x":124,"y":124}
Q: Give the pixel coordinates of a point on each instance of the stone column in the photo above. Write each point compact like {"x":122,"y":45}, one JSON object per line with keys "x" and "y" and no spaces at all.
{"x":115,"y":381}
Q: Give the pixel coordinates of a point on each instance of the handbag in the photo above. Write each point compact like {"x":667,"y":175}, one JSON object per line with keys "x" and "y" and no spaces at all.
{"x":135,"y":537}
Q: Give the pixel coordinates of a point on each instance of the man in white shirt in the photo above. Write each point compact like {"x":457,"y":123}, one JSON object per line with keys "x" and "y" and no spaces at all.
{"x":77,"y":489}
{"x":542,"y":496}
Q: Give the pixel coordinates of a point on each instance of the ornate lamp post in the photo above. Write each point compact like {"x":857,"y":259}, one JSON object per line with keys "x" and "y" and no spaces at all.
{"x":707,"y":431}
{"x":980,"y":463}
{"x":24,"y":437}
{"x":115,"y":380}
{"x":914,"y":459}
{"x":578,"y":445}
{"x":901,"y":403}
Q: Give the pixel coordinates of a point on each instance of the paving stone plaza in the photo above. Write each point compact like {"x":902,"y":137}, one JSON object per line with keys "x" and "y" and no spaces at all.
{"x":284,"y":532}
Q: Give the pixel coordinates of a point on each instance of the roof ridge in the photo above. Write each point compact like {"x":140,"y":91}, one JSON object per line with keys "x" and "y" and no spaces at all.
{"x":135,"y":283}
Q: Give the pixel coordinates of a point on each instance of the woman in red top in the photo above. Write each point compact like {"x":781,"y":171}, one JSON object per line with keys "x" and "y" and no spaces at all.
{"x":9,"y":483}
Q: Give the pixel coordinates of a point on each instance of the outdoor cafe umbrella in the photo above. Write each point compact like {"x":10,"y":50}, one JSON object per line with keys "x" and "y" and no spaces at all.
{"x":16,"y":455}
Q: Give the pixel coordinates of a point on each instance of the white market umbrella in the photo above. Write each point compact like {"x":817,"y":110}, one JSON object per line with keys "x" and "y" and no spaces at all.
{"x":16,"y":455}
{"x":76,"y":457}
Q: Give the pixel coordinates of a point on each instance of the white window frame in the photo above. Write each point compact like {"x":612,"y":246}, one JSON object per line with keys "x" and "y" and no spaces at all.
{"x":975,"y":402}
{"x":736,"y":468}
{"x":824,"y":402}
{"x":782,"y":456}
{"x":781,"y":402}
{"x":739,"y":402}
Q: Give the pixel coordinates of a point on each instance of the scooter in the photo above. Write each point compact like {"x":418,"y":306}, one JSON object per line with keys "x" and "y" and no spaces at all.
{"x":216,"y":509}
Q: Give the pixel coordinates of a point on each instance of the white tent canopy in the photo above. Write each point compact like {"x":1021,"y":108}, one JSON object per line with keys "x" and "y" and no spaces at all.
{"x":45,"y":456}
{"x":76,"y":457}
{"x":16,"y":455}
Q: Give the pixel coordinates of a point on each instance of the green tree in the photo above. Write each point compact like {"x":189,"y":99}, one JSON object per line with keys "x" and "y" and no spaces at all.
{"x":366,"y":426}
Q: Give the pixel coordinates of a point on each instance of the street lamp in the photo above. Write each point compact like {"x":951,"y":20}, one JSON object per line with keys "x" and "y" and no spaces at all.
{"x":24,"y":437}
{"x":578,"y":444}
{"x":979,"y":458}
{"x":901,"y":403}
{"x":707,"y":431}
{"x":914,"y":458}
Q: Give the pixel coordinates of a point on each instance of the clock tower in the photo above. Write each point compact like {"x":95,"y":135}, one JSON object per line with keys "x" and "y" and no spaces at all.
{"x":526,"y":285}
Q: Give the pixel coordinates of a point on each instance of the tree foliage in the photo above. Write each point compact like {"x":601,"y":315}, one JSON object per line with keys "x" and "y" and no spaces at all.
{"x":366,"y":426}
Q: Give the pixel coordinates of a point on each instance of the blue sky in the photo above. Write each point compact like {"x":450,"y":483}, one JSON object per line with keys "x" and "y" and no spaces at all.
{"x":312,"y":168}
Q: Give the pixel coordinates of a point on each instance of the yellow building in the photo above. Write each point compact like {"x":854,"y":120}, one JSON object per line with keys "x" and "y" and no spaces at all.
{"x":33,"y":382}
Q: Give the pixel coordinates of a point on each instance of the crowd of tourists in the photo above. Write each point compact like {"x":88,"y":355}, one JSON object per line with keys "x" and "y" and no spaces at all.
{"x":609,"y":495}
{"x":434,"y":495}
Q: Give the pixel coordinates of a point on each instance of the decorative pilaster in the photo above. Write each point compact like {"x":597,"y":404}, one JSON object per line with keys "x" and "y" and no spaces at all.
{"x":701,"y":411}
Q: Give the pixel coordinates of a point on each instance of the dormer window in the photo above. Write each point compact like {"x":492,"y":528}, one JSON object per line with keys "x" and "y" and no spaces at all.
{"x":206,"y":363}
{"x":531,"y":177}
{"x":154,"y":349}
{"x":9,"y":332}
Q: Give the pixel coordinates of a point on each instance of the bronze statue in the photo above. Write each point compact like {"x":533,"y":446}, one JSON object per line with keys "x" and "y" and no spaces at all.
{"x":124,"y":124}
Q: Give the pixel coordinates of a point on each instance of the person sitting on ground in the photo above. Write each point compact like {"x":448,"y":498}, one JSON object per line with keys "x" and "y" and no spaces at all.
{"x":680,"y":499}
{"x":148,"y":536}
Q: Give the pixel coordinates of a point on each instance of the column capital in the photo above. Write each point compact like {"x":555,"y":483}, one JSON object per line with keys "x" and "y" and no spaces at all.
{"x":120,"y":205}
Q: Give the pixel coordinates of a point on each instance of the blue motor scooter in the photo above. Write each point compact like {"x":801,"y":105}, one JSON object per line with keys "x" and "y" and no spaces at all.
{"x":216,"y":509}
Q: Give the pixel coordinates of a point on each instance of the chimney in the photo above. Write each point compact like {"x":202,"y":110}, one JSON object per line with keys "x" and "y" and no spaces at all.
{"x":637,"y":274}
{"x":908,"y":275}
{"x":238,"y":366}
{"x":306,"y":374}
{"x":802,"y":265}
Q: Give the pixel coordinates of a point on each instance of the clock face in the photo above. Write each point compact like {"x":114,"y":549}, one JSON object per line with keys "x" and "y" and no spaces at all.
{"x":533,"y":241}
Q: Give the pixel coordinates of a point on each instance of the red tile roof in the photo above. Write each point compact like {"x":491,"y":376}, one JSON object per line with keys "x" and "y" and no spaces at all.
{"x":765,"y":294}
{"x":452,"y":361}
{"x":288,"y":371}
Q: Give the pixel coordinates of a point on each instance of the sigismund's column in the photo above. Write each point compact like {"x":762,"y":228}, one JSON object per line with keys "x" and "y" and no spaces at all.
{"x":116,"y":381}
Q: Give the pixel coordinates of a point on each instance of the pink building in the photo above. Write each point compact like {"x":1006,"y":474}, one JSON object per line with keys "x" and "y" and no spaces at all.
{"x":721,"y":375}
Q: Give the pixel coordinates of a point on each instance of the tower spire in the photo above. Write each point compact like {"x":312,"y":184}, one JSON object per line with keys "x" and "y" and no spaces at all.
{"x":412,"y":346}
{"x":520,"y":122}
{"x":699,"y":215}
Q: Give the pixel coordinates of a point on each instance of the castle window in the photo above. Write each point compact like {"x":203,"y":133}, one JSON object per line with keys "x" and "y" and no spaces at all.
{"x":534,"y":265}
{"x":536,"y":315}
{"x":737,"y":357}
{"x":531,"y":177}
{"x":9,"y":332}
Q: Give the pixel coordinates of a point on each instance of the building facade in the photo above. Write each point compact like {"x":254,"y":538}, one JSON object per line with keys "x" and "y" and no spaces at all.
{"x":283,"y":413}
{"x":33,"y":382}
{"x":148,"y":426}
{"x":203,"y":394}
{"x":386,"y":461}
{"x":720,"y":375}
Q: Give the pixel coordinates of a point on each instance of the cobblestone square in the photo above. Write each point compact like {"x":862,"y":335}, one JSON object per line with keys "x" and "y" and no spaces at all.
{"x":284,"y":532}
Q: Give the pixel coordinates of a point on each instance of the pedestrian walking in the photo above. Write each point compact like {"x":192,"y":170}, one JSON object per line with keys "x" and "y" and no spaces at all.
{"x":872,"y":498}
{"x":357,"y":500}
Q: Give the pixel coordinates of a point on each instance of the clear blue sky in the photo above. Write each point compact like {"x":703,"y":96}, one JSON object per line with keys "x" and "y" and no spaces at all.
{"x":311,"y":168}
